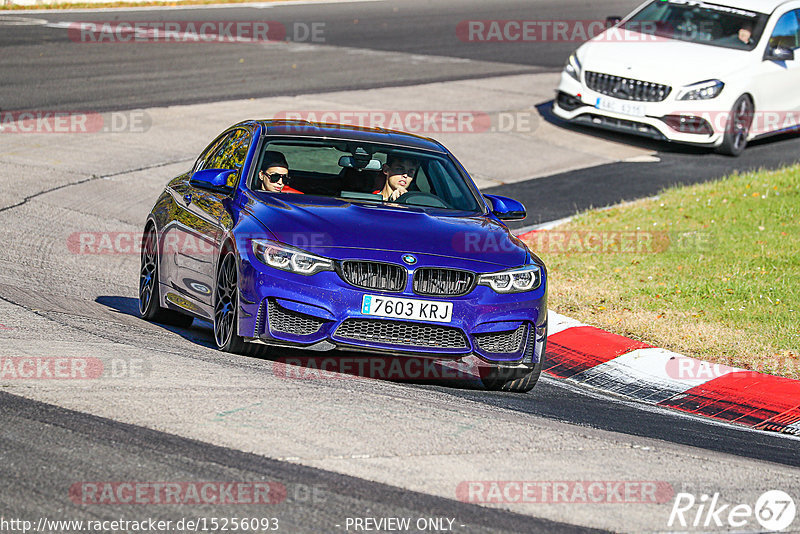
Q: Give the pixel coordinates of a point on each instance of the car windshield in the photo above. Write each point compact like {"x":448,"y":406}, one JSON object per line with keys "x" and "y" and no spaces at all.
{"x":357,"y":170}
{"x":700,"y":22}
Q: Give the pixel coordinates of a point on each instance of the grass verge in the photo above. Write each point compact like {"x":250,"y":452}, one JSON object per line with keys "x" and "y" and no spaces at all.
{"x":711,"y":271}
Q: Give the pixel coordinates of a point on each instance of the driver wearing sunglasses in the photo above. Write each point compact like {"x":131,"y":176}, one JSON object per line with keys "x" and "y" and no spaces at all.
{"x":274,"y":173}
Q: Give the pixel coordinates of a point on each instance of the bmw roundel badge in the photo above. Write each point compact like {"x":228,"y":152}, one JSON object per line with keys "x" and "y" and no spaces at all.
{"x":410,"y":259}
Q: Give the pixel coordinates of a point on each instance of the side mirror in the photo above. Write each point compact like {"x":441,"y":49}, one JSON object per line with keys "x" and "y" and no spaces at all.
{"x":779,"y":53}
{"x":612,"y":21}
{"x":212,"y":179}
{"x":506,"y":209}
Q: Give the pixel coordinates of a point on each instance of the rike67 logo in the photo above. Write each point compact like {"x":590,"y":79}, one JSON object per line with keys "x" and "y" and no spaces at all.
{"x":774,"y":511}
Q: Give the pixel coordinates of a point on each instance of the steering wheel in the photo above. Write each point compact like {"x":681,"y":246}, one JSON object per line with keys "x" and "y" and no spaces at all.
{"x":420,"y":198}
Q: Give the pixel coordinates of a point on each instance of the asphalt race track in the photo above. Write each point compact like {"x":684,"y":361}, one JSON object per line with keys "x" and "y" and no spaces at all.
{"x":315,"y":500}
{"x":361,"y":46}
{"x":168,"y":408}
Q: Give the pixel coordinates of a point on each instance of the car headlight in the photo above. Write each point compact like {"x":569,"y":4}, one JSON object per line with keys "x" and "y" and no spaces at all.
{"x":573,"y":67}
{"x":289,"y":258}
{"x":515,"y":280}
{"x":702,"y":90}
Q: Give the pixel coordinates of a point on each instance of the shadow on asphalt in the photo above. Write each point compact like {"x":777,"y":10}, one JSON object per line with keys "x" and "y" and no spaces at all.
{"x":293,"y":363}
{"x":548,"y":399}
{"x":199,"y":332}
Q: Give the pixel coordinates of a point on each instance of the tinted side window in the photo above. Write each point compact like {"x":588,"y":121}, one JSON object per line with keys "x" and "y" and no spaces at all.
{"x":209,"y":153}
{"x":787,"y":31}
{"x":230,"y":154}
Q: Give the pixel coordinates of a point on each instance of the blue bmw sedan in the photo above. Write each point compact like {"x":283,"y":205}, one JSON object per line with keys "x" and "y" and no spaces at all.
{"x":324,"y":236}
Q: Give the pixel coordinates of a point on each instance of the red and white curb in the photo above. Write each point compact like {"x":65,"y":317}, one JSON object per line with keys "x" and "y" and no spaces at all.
{"x":587,"y":355}
{"x":590,"y":356}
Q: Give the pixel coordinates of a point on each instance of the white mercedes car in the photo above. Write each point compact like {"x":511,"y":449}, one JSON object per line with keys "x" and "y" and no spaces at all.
{"x":716,"y":74}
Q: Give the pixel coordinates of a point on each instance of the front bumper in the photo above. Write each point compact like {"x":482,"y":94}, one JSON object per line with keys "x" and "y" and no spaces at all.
{"x":323,"y":312}
{"x":696,"y":122}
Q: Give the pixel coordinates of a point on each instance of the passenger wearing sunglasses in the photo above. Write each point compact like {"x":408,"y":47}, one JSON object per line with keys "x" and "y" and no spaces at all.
{"x":274,"y":173}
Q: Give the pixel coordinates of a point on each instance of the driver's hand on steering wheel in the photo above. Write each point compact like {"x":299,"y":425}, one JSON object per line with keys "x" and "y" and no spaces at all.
{"x":397,"y":193}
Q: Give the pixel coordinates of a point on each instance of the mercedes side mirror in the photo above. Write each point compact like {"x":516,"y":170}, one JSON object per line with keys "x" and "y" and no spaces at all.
{"x":779,"y":53}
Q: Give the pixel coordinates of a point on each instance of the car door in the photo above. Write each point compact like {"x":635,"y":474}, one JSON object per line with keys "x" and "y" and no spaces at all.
{"x":778,"y":99}
{"x":199,"y":234}
{"x":180,"y":231}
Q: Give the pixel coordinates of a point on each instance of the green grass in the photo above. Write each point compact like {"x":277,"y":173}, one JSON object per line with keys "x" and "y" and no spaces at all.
{"x":722,"y":280}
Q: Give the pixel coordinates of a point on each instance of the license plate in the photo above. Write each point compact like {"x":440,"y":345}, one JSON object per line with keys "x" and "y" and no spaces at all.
{"x":397,"y":308}
{"x":620,"y":106}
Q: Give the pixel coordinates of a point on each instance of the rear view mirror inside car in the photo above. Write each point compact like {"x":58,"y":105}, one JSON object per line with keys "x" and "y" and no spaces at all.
{"x":352,"y":162}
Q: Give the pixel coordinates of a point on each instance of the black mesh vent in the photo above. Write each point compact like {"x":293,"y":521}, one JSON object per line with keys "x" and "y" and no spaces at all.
{"x":529,"y":348}
{"x":399,"y":333}
{"x":290,"y":322}
{"x":502,"y":342}
{"x":627,"y":88}
{"x":442,"y":282}
{"x":259,"y":328}
{"x":568,"y":102}
{"x":374,"y":275}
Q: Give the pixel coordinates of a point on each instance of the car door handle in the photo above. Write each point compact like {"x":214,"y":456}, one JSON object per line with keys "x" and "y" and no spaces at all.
{"x":187,"y":198}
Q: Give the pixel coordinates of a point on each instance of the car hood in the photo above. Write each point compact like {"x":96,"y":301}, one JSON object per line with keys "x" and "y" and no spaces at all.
{"x":334,"y":227}
{"x":667,"y":61}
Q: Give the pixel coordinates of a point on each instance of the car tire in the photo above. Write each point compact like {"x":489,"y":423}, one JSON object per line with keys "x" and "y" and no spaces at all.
{"x":514,"y":379}
{"x":149,"y":289}
{"x":734,"y":140}
{"x":226,"y":307}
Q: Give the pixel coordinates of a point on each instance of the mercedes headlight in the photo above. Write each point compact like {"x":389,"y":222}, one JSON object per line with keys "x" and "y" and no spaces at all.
{"x":702,"y":90}
{"x":573,"y":67}
{"x":289,"y":258}
{"x":516,"y":280}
